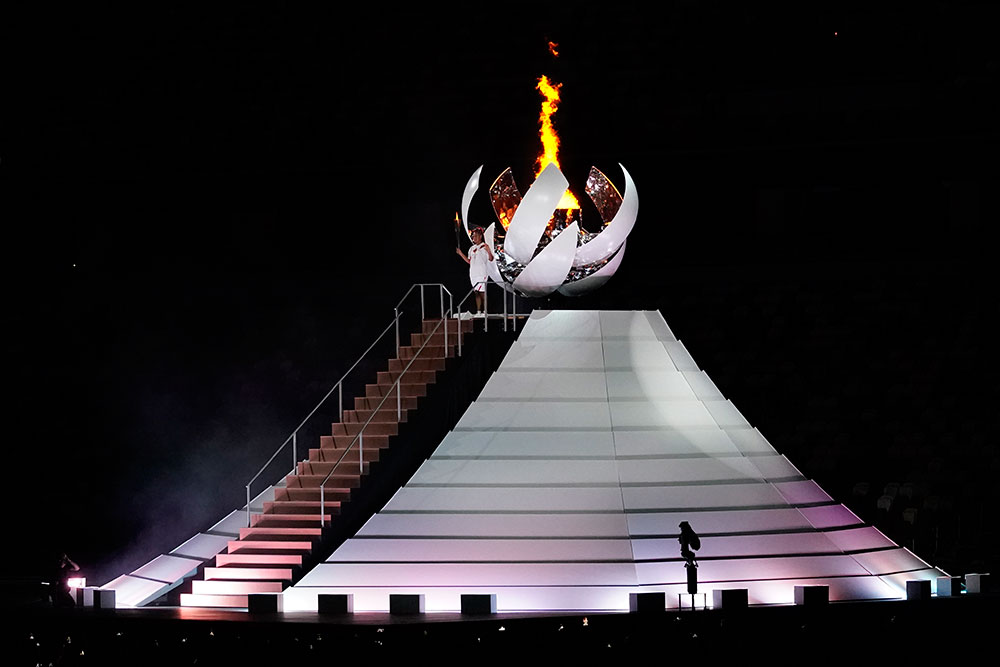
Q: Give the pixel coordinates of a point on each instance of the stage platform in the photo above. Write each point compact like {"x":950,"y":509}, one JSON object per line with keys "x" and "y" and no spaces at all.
{"x":866,"y":629}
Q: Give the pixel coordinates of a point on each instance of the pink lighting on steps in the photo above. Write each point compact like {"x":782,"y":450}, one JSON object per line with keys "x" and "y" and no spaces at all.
{"x":267,"y":554}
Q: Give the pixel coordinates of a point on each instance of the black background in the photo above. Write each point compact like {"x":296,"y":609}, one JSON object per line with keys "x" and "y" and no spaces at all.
{"x":210,"y":213}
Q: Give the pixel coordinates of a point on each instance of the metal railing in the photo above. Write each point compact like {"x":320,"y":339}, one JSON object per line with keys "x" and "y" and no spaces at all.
{"x":397,"y":386}
{"x":339,"y":385}
{"x":509,"y":316}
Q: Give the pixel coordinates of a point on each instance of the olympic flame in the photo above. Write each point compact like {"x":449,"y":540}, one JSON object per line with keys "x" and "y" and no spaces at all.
{"x":549,"y":136}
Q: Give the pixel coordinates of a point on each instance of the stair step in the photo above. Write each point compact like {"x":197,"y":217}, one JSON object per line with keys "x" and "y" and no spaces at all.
{"x":418,"y":339}
{"x":267,"y":546}
{"x":248,"y":573}
{"x":333,"y":497}
{"x":342,"y":442}
{"x":385,"y":387}
{"x":340,"y":480}
{"x":280,"y":507}
{"x":430,"y":351}
{"x":224,"y":601}
{"x":280,"y":532}
{"x":416,"y":365}
{"x":286,"y":520}
{"x":386,"y":415}
{"x":346,"y":477}
{"x":331,"y":455}
{"x":222,"y":587}
{"x":372,"y":402}
{"x":451,"y":324}
{"x":260,"y":560}
{"x":413,"y":376}
{"x":375,"y":428}
{"x":323,"y":468}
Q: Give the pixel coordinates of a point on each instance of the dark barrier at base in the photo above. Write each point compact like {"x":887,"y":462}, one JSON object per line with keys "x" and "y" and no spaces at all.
{"x":730,"y":598}
{"x":265,"y":603}
{"x":406,"y":604}
{"x":479,"y":604}
{"x":812,"y":595}
{"x":918,"y":589}
{"x":330,"y":603}
{"x":647,"y":602}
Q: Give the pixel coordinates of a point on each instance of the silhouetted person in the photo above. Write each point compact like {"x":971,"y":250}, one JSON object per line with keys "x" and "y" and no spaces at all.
{"x":59,"y":584}
{"x":690,"y":542}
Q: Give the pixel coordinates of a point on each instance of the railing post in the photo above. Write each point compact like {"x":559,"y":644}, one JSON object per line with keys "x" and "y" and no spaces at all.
{"x":340,"y":402}
{"x":421,"y":304}
{"x":322,"y":499}
{"x":399,"y":399}
{"x":248,"y":505}
{"x":361,"y":452}
{"x":397,"y":332}
{"x":505,"y":311}
{"x":295,"y":451}
{"x":441,"y":298}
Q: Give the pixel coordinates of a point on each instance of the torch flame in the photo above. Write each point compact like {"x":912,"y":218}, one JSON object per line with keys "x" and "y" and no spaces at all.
{"x":549,"y":137}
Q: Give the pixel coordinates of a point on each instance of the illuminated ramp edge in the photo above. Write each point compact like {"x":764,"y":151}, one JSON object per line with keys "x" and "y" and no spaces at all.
{"x":562,"y":486}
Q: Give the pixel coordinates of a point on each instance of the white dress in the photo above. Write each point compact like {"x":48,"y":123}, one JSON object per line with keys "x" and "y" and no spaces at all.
{"x":478,"y":261}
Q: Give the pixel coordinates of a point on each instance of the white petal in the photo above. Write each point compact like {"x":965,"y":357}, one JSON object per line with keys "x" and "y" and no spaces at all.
{"x":613,"y":236}
{"x":596,"y":279}
{"x":546,"y":272}
{"x":533,"y":214}
{"x":470,"y":189}
{"x":492,"y":270}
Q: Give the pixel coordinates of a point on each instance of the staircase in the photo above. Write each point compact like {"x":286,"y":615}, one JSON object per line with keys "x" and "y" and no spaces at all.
{"x":269,"y":554}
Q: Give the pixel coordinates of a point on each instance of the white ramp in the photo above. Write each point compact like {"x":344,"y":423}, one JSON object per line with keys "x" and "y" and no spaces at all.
{"x":562,"y":486}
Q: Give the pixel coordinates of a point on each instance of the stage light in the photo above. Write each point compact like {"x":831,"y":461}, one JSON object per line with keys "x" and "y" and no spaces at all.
{"x":76,"y":582}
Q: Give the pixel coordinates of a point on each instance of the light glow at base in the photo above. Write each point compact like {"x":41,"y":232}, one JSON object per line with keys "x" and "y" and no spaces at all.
{"x":77,"y":582}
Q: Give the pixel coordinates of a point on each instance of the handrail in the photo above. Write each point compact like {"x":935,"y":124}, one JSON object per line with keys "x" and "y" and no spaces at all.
{"x":421,"y":286}
{"x":359,"y":438}
{"x":339,"y":385}
{"x":508,"y":317}
{"x":323,"y":400}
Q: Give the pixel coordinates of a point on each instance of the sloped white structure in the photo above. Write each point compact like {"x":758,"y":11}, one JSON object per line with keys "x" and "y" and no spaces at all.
{"x":562,"y":487}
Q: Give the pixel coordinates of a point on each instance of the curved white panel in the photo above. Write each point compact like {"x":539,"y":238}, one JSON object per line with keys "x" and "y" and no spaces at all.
{"x":596,"y":279}
{"x":533,"y":215}
{"x":491,"y":267}
{"x":470,"y":189}
{"x":548,"y":269}
{"x":613,"y":236}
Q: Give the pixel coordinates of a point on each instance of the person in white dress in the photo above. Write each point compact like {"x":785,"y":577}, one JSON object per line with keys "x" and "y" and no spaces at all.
{"x":480,"y":255}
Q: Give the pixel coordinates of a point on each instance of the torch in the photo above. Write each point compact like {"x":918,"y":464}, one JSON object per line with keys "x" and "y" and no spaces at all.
{"x":458,"y":238}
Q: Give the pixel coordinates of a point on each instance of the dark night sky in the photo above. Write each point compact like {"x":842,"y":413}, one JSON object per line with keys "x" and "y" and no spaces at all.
{"x":210,"y":214}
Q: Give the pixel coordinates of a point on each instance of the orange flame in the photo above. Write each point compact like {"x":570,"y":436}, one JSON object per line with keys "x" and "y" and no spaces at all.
{"x":554,"y":45}
{"x":549,"y":137}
